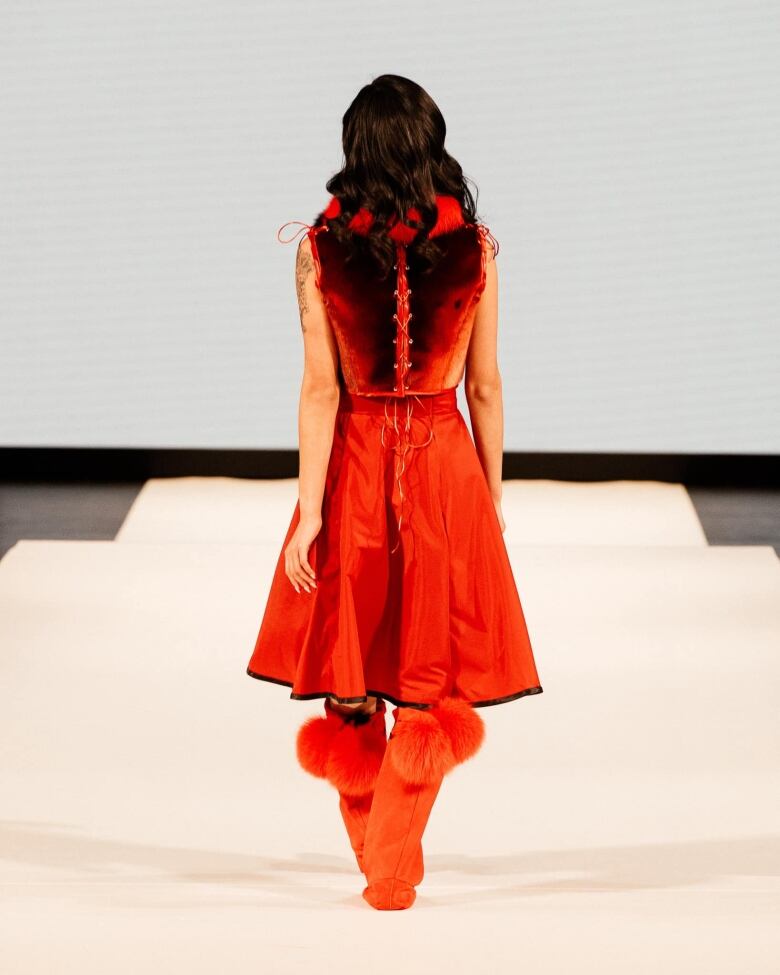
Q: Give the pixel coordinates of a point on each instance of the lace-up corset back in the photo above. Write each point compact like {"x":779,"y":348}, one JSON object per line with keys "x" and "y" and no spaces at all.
{"x":409,"y":333}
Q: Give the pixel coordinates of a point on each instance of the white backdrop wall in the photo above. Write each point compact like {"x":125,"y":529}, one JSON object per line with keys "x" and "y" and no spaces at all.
{"x":627,"y":153}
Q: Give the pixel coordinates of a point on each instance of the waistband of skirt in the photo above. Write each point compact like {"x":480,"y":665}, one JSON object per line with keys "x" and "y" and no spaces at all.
{"x":445,"y":401}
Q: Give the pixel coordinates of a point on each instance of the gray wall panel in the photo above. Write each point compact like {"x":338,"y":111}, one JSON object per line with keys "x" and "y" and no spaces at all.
{"x":627,"y":155}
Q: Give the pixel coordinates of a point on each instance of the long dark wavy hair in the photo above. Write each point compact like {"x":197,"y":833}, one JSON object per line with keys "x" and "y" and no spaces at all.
{"x":394,"y":158}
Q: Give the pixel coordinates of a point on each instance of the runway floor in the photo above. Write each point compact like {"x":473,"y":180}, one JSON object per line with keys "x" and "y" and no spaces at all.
{"x":154,"y":816}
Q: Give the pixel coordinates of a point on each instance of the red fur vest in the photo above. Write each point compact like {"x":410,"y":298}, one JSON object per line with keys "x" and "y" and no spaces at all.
{"x":409,"y":333}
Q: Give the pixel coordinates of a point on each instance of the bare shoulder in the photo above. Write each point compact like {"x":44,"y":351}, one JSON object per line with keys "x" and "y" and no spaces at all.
{"x":487,"y":305}
{"x":489,"y":253}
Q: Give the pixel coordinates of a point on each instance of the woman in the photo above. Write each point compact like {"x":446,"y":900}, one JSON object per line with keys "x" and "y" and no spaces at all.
{"x":394,"y":583}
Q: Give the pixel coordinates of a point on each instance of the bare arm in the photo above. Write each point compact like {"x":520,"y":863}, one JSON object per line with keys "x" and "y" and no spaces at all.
{"x":316,"y":416}
{"x":483,"y":388}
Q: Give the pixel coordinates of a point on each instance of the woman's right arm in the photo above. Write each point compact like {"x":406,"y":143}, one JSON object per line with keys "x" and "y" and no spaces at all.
{"x":317,"y":409}
{"x":483,"y":387}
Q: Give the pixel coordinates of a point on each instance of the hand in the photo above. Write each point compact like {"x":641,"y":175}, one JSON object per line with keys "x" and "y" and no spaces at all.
{"x":497,"y":504}
{"x":296,"y":555}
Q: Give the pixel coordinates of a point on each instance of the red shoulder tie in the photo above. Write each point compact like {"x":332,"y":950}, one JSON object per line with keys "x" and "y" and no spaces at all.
{"x":311,"y":230}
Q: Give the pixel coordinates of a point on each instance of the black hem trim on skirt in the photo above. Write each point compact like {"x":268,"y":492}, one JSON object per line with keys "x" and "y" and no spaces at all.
{"x":388,"y":697}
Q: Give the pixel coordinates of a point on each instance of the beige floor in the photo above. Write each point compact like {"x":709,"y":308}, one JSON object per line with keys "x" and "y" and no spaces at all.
{"x":224,"y":509}
{"x":153,"y":815}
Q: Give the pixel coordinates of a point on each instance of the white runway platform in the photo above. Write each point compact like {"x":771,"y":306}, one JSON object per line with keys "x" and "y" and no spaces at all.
{"x":625,"y":821}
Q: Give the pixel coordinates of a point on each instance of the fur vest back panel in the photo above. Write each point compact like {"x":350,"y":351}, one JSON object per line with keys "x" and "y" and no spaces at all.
{"x":409,"y":333}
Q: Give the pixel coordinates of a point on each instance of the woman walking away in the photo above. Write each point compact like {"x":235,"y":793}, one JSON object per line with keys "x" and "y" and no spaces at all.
{"x":394,"y":583}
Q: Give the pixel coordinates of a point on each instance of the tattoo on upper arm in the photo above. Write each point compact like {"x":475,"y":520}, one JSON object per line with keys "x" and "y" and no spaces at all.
{"x":303,"y":268}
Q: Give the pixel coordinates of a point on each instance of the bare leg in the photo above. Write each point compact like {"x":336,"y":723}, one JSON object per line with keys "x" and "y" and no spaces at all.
{"x":367,"y":707}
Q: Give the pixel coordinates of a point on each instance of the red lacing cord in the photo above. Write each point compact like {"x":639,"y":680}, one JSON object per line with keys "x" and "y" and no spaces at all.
{"x":403,"y":444}
{"x":303,"y":226}
{"x":403,"y":441}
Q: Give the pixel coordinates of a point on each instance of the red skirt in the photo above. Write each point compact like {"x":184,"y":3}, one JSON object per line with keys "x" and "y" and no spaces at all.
{"x":415,"y":597}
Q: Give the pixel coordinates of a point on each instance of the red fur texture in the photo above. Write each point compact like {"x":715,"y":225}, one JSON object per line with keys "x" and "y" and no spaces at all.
{"x":354,"y":759}
{"x":421,"y":749}
{"x":348,"y":755}
{"x":449,"y":216}
{"x":429,"y":743}
{"x":361,"y":302}
{"x":313,"y":744}
{"x":463,"y":726}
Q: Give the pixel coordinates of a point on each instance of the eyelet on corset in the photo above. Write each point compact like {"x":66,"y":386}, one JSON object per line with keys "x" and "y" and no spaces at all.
{"x":395,"y":389}
{"x":410,"y":341}
{"x":394,"y":341}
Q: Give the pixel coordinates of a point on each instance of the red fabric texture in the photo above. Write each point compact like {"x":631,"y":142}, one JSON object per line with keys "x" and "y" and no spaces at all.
{"x":416,"y":600}
{"x":440,"y":615}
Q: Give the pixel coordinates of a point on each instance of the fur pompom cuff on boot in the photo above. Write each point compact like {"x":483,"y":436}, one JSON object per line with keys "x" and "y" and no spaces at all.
{"x":430,"y":743}
{"x":346,"y":749}
{"x":464,"y":728}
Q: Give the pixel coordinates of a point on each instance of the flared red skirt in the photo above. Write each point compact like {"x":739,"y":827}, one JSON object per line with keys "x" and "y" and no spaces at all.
{"x":416,"y":598}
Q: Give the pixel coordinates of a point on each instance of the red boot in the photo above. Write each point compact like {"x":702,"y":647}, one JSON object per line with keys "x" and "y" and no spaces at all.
{"x":424,"y":745}
{"x":346,"y":747}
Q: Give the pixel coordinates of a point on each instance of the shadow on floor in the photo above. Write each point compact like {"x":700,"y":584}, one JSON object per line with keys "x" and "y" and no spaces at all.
{"x":654,"y":866}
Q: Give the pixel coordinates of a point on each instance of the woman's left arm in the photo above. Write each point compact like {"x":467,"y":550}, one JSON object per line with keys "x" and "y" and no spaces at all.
{"x":316,"y":416}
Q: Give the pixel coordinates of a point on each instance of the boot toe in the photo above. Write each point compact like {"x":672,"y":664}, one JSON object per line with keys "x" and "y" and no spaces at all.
{"x":390,"y":895}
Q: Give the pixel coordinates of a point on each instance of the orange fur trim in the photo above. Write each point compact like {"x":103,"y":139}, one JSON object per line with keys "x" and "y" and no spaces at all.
{"x":462,"y":725}
{"x":313,"y":743}
{"x":421,"y":749}
{"x":354,"y":759}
